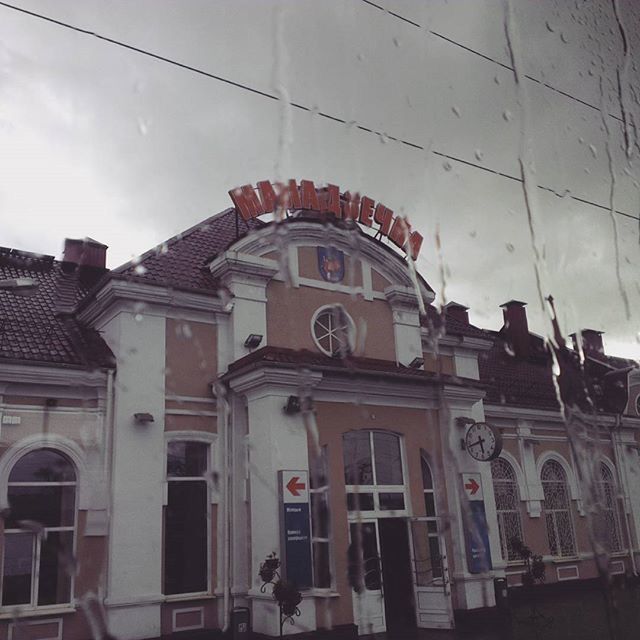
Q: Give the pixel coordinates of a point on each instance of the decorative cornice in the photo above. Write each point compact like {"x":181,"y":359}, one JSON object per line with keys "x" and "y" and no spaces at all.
{"x":348,"y":240}
{"x":233,"y":263}
{"x":402,"y":298}
{"x":116,"y":290}
{"x":288,"y":379}
{"x":52,"y":375}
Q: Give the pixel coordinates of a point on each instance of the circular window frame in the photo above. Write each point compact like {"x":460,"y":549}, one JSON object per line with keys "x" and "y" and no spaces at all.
{"x":351,"y":334}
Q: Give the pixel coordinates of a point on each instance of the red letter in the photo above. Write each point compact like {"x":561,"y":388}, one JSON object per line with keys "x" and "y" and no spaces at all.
{"x":268,"y":196}
{"x":351,"y":206}
{"x":366,"y":210}
{"x":288,"y":196}
{"x":333,"y":204}
{"x":415,"y":242}
{"x":309,"y":195}
{"x":383,"y":217}
{"x":399,"y":232}
{"x":247,"y":202}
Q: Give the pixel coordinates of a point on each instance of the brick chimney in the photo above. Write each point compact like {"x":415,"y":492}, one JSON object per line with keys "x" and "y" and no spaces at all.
{"x":85,"y":253}
{"x":516,"y":327}
{"x":457,"y":311}
{"x":592,"y":344}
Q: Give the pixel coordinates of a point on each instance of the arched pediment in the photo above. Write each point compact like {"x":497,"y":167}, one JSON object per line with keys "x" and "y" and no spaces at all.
{"x":385,"y":265}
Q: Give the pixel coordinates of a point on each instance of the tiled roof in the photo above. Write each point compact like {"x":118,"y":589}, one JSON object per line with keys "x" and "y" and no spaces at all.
{"x":39,"y":328}
{"x":528,"y":382}
{"x":292,"y":358}
{"x":453,"y":326}
{"x":181,"y":261}
{"x":517,"y":381}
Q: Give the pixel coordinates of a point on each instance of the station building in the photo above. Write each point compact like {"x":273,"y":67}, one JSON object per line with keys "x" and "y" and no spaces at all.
{"x":159,"y":420}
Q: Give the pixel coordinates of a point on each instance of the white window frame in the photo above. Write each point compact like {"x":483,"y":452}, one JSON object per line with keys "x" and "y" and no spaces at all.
{"x":351,"y":330}
{"x":38,"y":537}
{"x":323,"y":491}
{"x":552,"y":512}
{"x":375,"y":488}
{"x":504,"y":547}
{"x":210,"y":440}
{"x":433,"y":519}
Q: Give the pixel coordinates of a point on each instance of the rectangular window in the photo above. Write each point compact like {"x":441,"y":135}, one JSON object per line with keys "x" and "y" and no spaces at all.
{"x":186,"y":519}
{"x":320,"y":523}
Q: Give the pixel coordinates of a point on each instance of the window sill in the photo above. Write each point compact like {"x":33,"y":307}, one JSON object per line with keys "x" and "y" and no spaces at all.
{"x":563,"y":559}
{"x":321,"y":593}
{"x":7,"y":613}
{"x":179,"y":597}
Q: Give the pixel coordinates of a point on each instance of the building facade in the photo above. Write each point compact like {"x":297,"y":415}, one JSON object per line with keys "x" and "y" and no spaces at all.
{"x":157,"y":418}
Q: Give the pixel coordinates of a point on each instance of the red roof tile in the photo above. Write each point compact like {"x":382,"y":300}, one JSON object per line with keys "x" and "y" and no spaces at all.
{"x":39,"y":328}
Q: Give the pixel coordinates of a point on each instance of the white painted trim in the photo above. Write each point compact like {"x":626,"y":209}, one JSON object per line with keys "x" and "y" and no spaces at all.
{"x":50,"y":441}
{"x":620,"y":567}
{"x":304,"y":233}
{"x":568,"y":469}
{"x":50,"y":375}
{"x":176,"y":612}
{"x":190,"y":412}
{"x":99,"y":309}
{"x":565,"y":568}
{"x":198,"y":399}
{"x":13,"y":626}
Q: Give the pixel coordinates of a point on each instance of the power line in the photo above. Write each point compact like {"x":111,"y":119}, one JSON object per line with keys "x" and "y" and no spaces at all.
{"x":264,"y":94}
{"x":488,"y":58}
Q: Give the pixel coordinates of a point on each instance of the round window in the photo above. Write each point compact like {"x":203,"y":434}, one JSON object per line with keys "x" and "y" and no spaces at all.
{"x":333,"y":330}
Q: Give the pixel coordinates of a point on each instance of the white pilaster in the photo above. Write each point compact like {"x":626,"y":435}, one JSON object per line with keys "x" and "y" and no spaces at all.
{"x":246,"y":278}
{"x":406,"y":323}
{"x":134,"y":589}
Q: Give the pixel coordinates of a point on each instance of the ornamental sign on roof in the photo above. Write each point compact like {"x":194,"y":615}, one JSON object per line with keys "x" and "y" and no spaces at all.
{"x":266,"y":197}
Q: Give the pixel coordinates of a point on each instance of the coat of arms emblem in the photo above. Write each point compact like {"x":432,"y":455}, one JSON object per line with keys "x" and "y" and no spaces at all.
{"x":331,"y":264}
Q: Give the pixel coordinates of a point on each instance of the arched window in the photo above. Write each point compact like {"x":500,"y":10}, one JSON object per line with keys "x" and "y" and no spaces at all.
{"x":608,"y":522}
{"x":557,"y":510}
{"x":39,"y":530}
{"x":373,"y":471}
{"x":431,"y":512}
{"x":505,"y":490}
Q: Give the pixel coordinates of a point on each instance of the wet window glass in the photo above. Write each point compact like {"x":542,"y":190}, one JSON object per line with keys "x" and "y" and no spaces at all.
{"x":39,"y":530}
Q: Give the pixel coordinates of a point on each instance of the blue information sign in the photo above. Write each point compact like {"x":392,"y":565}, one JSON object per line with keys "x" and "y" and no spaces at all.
{"x":296,"y":529}
{"x":476,"y":534}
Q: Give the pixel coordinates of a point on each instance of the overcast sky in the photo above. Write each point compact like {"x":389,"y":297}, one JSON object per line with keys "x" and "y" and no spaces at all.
{"x":98,"y":140}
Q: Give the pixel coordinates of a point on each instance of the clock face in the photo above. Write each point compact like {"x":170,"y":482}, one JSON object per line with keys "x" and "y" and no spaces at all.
{"x":483,"y":442}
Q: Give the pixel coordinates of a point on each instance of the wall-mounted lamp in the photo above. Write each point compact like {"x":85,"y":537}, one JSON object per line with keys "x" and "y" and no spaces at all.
{"x":293,"y":405}
{"x":143,"y":418}
{"x":253,"y":341}
{"x":416,"y":363}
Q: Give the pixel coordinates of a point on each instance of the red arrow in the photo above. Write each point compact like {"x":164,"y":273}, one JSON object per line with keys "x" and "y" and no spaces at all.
{"x":294,"y":486}
{"x":472,"y":485}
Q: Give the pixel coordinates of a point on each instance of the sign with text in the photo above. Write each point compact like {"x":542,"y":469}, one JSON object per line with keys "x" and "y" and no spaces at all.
{"x":267,"y":197}
{"x":476,"y":530}
{"x":295,"y":529}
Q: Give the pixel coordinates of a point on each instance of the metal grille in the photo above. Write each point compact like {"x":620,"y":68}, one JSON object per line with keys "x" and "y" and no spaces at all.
{"x":505,"y":489}
{"x":607,"y":525}
{"x":557,"y":510}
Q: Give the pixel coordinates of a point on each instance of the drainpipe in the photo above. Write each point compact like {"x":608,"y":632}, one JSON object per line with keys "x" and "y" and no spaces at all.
{"x":623,"y":468}
{"x":218,"y":390}
{"x":108,"y":466}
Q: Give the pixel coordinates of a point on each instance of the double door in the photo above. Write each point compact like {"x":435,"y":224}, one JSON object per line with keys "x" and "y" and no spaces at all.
{"x":401,"y":586}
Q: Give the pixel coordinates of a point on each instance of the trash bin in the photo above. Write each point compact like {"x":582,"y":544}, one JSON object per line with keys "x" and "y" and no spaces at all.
{"x":240,"y":623}
{"x":502,"y":594}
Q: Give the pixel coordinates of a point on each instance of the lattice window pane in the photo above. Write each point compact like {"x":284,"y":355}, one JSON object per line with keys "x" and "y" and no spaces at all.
{"x":507,"y":496}
{"x":557,"y":507}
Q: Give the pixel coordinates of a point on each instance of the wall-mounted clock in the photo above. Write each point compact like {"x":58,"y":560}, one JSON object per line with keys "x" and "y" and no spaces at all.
{"x":483,"y":442}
